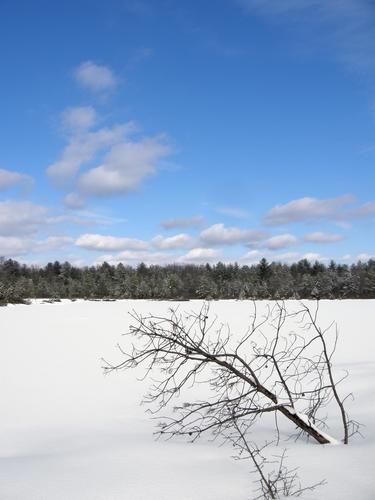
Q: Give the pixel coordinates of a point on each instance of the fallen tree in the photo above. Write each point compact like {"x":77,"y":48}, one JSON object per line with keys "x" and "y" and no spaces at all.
{"x":282,"y":365}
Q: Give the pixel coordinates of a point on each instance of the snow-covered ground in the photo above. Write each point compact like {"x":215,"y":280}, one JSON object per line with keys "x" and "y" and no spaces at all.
{"x":67,"y":432}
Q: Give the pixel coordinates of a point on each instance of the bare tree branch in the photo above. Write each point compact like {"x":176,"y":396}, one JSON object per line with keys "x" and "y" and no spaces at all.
{"x":282,"y":365}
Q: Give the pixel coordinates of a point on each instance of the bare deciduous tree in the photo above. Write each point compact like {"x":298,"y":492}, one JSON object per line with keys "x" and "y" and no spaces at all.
{"x":281,"y":366}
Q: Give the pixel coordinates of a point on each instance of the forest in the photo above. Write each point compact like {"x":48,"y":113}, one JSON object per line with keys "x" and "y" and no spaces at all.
{"x":264,"y":280}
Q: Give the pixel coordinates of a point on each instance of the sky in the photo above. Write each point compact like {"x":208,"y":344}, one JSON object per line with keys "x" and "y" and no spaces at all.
{"x":175,"y":131}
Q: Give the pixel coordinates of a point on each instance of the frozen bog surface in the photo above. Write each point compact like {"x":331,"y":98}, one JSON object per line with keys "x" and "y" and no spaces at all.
{"x":68,"y":432}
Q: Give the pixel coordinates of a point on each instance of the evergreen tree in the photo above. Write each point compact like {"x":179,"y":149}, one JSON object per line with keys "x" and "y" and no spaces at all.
{"x":175,"y":282}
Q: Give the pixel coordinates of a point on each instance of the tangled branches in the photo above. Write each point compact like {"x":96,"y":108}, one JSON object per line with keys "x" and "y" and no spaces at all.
{"x":281,"y":366}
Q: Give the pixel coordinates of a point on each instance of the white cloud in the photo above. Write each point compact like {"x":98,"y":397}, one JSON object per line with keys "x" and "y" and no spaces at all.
{"x":139,"y":248}
{"x":305,"y":209}
{"x":286,"y":257}
{"x":74,"y":201}
{"x":82,"y":148}
{"x":124,"y":168}
{"x":85,"y":218}
{"x":281,"y":241}
{"x":346,"y":257}
{"x":21,"y":217}
{"x":109,"y":243}
{"x":53,"y":243}
{"x":312,"y":257}
{"x":26,"y":218}
{"x":320,"y":237}
{"x":14,"y":246}
{"x":251,"y":257}
{"x":178,"y":241}
{"x":78,"y":118}
{"x":314,"y":209}
{"x":95,"y":77}
{"x":200,"y":255}
{"x":367,"y":209}
{"x":174,"y":223}
{"x":10,"y":178}
{"x":133,"y":258}
{"x":237,"y":213}
{"x":218,"y":234}
{"x":72,"y":219}
{"x":115,"y":162}
{"x":364,"y":257}
{"x":254,"y":256}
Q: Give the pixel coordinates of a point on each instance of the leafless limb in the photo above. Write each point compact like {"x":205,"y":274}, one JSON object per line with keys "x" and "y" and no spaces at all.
{"x":274,"y":479}
{"x":281,"y":366}
{"x":285,"y":372}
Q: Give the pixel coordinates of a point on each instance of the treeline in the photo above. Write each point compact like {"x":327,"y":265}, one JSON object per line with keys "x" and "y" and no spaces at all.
{"x":302,"y":280}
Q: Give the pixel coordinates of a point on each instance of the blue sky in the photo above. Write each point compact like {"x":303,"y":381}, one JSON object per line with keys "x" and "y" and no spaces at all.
{"x":171,"y":131}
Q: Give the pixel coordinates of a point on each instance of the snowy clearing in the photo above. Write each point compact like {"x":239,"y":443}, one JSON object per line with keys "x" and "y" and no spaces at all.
{"x":68,"y":432}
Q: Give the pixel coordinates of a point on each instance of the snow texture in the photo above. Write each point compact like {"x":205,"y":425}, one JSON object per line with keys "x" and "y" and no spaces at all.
{"x":67,"y":432}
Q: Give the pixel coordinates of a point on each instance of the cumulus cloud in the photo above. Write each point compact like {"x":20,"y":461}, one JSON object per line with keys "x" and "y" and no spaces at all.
{"x":174,"y":223}
{"x":73,"y":219}
{"x":133,"y":258}
{"x":254,"y":256}
{"x":78,"y":118}
{"x":109,"y":243}
{"x":21,"y":217}
{"x":281,"y":241}
{"x":178,"y":241}
{"x":95,"y":77}
{"x":364,"y":257}
{"x":26,"y":219}
{"x":218,"y":234}
{"x":10,"y":178}
{"x":320,"y":237}
{"x":367,"y":209}
{"x":82,"y":149}
{"x":312,"y":257}
{"x":53,"y":243}
{"x":314,"y":209}
{"x":124,"y":168}
{"x":251,"y":257}
{"x":113,"y":243}
{"x":306,"y":209}
{"x":116,"y":161}
{"x":14,"y":246}
{"x":347,"y":256}
{"x":200,"y":256}
{"x":74,"y":201}
{"x":286,"y":257}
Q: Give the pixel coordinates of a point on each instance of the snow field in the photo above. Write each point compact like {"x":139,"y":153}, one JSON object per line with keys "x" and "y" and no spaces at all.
{"x":67,"y":432}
